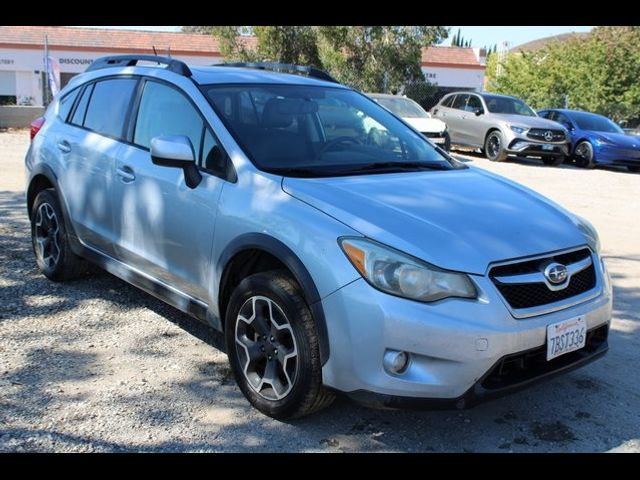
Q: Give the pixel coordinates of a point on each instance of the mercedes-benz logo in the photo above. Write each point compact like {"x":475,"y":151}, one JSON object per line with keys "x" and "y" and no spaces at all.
{"x":548,"y":135}
{"x":556,"y":273}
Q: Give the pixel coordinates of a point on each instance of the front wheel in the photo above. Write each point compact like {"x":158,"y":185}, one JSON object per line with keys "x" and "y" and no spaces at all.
{"x":273,"y":347}
{"x":584,"y":155}
{"x":494,"y":147}
{"x":553,"y":161}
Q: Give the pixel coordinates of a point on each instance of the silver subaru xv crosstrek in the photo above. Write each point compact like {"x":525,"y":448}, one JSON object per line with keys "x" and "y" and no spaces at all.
{"x":336,"y":248}
{"x":501,"y":125}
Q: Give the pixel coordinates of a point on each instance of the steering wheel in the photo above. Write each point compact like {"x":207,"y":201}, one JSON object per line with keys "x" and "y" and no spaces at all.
{"x":330,"y":145}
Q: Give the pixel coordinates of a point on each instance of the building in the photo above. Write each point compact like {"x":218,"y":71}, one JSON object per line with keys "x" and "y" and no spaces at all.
{"x":22,"y":57}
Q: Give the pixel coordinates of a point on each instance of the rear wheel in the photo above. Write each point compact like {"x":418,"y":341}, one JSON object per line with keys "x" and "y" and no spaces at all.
{"x":273,"y":347}
{"x":50,"y":242}
{"x":584,"y":155}
{"x":633,"y":168}
{"x":494,"y":147}
{"x":447,"y":142}
{"x":552,"y":161}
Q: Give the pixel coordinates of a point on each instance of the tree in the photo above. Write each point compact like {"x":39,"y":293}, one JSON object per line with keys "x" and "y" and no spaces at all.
{"x":200,"y":30}
{"x":378,"y":58}
{"x":283,"y":44}
{"x":597,"y":73}
{"x":459,"y":41}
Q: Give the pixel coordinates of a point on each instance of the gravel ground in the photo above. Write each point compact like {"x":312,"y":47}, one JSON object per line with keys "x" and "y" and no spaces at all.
{"x":97,"y":365}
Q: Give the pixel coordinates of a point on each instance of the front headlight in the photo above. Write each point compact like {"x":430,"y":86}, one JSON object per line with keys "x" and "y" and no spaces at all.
{"x":517,"y":128}
{"x":400,"y":274}
{"x":602,"y":141}
{"x":589,"y":231}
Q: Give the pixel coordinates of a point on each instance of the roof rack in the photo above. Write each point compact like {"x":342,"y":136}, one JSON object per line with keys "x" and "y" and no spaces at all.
{"x":172,"y":64}
{"x":282,"y":67}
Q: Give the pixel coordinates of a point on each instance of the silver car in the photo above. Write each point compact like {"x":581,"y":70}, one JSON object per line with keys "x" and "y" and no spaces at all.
{"x":501,"y":125}
{"x":335,"y":248}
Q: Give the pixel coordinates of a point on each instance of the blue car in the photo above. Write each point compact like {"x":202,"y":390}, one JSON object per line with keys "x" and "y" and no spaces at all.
{"x":597,"y":140}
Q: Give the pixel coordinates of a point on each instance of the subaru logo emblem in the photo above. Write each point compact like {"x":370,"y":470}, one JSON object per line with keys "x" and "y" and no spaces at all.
{"x":548,"y":135}
{"x":556,"y":273}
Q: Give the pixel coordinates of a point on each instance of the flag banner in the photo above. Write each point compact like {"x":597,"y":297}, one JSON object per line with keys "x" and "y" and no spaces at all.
{"x":53,"y":70}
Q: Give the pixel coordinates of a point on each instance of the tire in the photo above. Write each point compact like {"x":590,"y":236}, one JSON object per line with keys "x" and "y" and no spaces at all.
{"x":633,"y":168}
{"x":284,"y":348}
{"x":552,"y":161}
{"x":494,"y":147}
{"x":447,"y":142}
{"x":50,"y":242}
{"x":584,"y":155}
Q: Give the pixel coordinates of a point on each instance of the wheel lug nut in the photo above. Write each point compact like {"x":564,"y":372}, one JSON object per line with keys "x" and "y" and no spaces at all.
{"x":262,"y":348}
{"x":271,"y":338}
{"x":269,"y":357}
{"x":275,"y":352}
{"x":264,"y":337}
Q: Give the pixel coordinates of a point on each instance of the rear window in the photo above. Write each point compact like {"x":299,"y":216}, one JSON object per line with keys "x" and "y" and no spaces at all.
{"x":109,"y":106}
{"x":81,"y":109}
{"x":66,"y":103}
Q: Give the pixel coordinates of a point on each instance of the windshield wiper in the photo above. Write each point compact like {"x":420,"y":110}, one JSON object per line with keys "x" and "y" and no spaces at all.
{"x":397,"y":166}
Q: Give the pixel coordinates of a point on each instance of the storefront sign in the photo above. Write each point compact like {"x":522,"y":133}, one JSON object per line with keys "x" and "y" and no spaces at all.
{"x":75,"y":61}
{"x":6,"y":61}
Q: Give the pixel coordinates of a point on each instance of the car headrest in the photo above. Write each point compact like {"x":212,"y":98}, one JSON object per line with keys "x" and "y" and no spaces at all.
{"x":280,"y":112}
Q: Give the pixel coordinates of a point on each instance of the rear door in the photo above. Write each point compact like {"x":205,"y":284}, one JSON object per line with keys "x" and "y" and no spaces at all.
{"x":90,"y":145}
{"x":472,"y":126}
{"x":165,"y":229}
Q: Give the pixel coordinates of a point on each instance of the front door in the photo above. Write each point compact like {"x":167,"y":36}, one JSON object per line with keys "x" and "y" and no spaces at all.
{"x":166,"y":228}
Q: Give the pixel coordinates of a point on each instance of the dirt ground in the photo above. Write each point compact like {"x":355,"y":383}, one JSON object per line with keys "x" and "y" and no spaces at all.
{"x":97,"y":365}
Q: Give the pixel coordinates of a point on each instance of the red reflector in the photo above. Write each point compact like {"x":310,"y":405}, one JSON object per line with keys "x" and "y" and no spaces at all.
{"x":36,"y":125}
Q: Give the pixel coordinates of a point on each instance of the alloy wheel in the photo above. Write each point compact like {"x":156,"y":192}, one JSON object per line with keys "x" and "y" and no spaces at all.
{"x":493,"y":146}
{"x":268,"y":353}
{"x":47,"y":235}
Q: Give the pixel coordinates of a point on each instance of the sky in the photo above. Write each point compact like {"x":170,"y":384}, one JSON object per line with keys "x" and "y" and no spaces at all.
{"x":480,"y":36}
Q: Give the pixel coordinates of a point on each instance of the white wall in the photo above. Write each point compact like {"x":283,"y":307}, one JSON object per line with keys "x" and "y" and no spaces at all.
{"x":455,"y":77}
{"x":26,"y":62}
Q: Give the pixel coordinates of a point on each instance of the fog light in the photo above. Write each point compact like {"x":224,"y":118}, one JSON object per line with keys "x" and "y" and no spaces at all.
{"x":395,"y":362}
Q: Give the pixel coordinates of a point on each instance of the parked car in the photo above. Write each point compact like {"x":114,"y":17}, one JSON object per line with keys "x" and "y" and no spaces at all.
{"x":411,"y":112}
{"x":632,"y":131}
{"x":596,"y":139}
{"x":333,"y":256}
{"x":501,"y":125}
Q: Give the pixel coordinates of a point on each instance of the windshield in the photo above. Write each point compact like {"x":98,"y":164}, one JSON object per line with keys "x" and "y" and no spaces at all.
{"x":511,"y":106}
{"x":320,"y":131}
{"x":402,"y":107}
{"x":597,"y":123}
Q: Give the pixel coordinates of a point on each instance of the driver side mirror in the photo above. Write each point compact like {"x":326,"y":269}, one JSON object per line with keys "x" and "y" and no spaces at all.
{"x":176,"y":151}
{"x":477,"y":111}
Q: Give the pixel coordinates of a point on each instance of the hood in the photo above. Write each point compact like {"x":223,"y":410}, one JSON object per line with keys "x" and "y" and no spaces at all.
{"x":458,"y":219}
{"x":618,"y":139}
{"x":525,"y":121}
{"x":428,"y":125}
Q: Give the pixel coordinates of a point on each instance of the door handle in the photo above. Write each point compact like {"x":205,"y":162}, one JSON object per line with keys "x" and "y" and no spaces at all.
{"x":64,"y":146}
{"x":126,"y":174}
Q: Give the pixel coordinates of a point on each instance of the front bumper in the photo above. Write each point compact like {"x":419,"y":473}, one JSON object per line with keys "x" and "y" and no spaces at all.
{"x":617,"y":156}
{"x":454,"y":344}
{"x":529,"y":148}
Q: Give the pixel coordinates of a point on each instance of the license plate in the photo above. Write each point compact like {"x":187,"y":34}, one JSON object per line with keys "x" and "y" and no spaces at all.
{"x":547,"y":147}
{"x":565,"y":337}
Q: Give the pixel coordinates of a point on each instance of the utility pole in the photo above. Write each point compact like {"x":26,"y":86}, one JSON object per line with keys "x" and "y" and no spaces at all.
{"x":45,"y":86}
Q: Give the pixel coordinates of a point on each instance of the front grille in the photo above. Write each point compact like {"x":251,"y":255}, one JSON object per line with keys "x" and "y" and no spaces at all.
{"x":433,"y":134}
{"x":527,"y":295}
{"x":521,"y":367}
{"x":539,"y":134}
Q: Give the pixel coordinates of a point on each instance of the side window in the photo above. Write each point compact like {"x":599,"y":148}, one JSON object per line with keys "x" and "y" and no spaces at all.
{"x":474,"y":104}
{"x":448,"y":101}
{"x":214,"y":158}
{"x":248,"y":113}
{"x":460,"y":102}
{"x":563,"y":120}
{"x":166,"y":111}
{"x":109,"y":106}
{"x":65,"y":104}
{"x":544,"y":114}
{"x":81,"y":109}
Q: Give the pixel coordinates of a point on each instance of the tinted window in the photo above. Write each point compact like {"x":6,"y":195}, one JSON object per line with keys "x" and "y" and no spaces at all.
{"x":322,"y":131}
{"x":166,"y":111}
{"x":563,"y":120}
{"x":474,"y":104}
{"x":109,"y":106}
{"x":544,"y":114}
{"x":597,"y":123}
{"x":460,"y":102}
{"x":81,"y":108}
{"x":66,"y":103}
{"x":402,"y":107}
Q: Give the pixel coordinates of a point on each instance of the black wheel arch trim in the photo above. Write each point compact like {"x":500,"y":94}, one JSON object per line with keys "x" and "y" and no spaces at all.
{"x":42,"y":169}
{"x":275,"y":247}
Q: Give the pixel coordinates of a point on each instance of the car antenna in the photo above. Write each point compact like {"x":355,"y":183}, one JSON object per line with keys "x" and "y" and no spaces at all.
{"x":154,"y":52}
